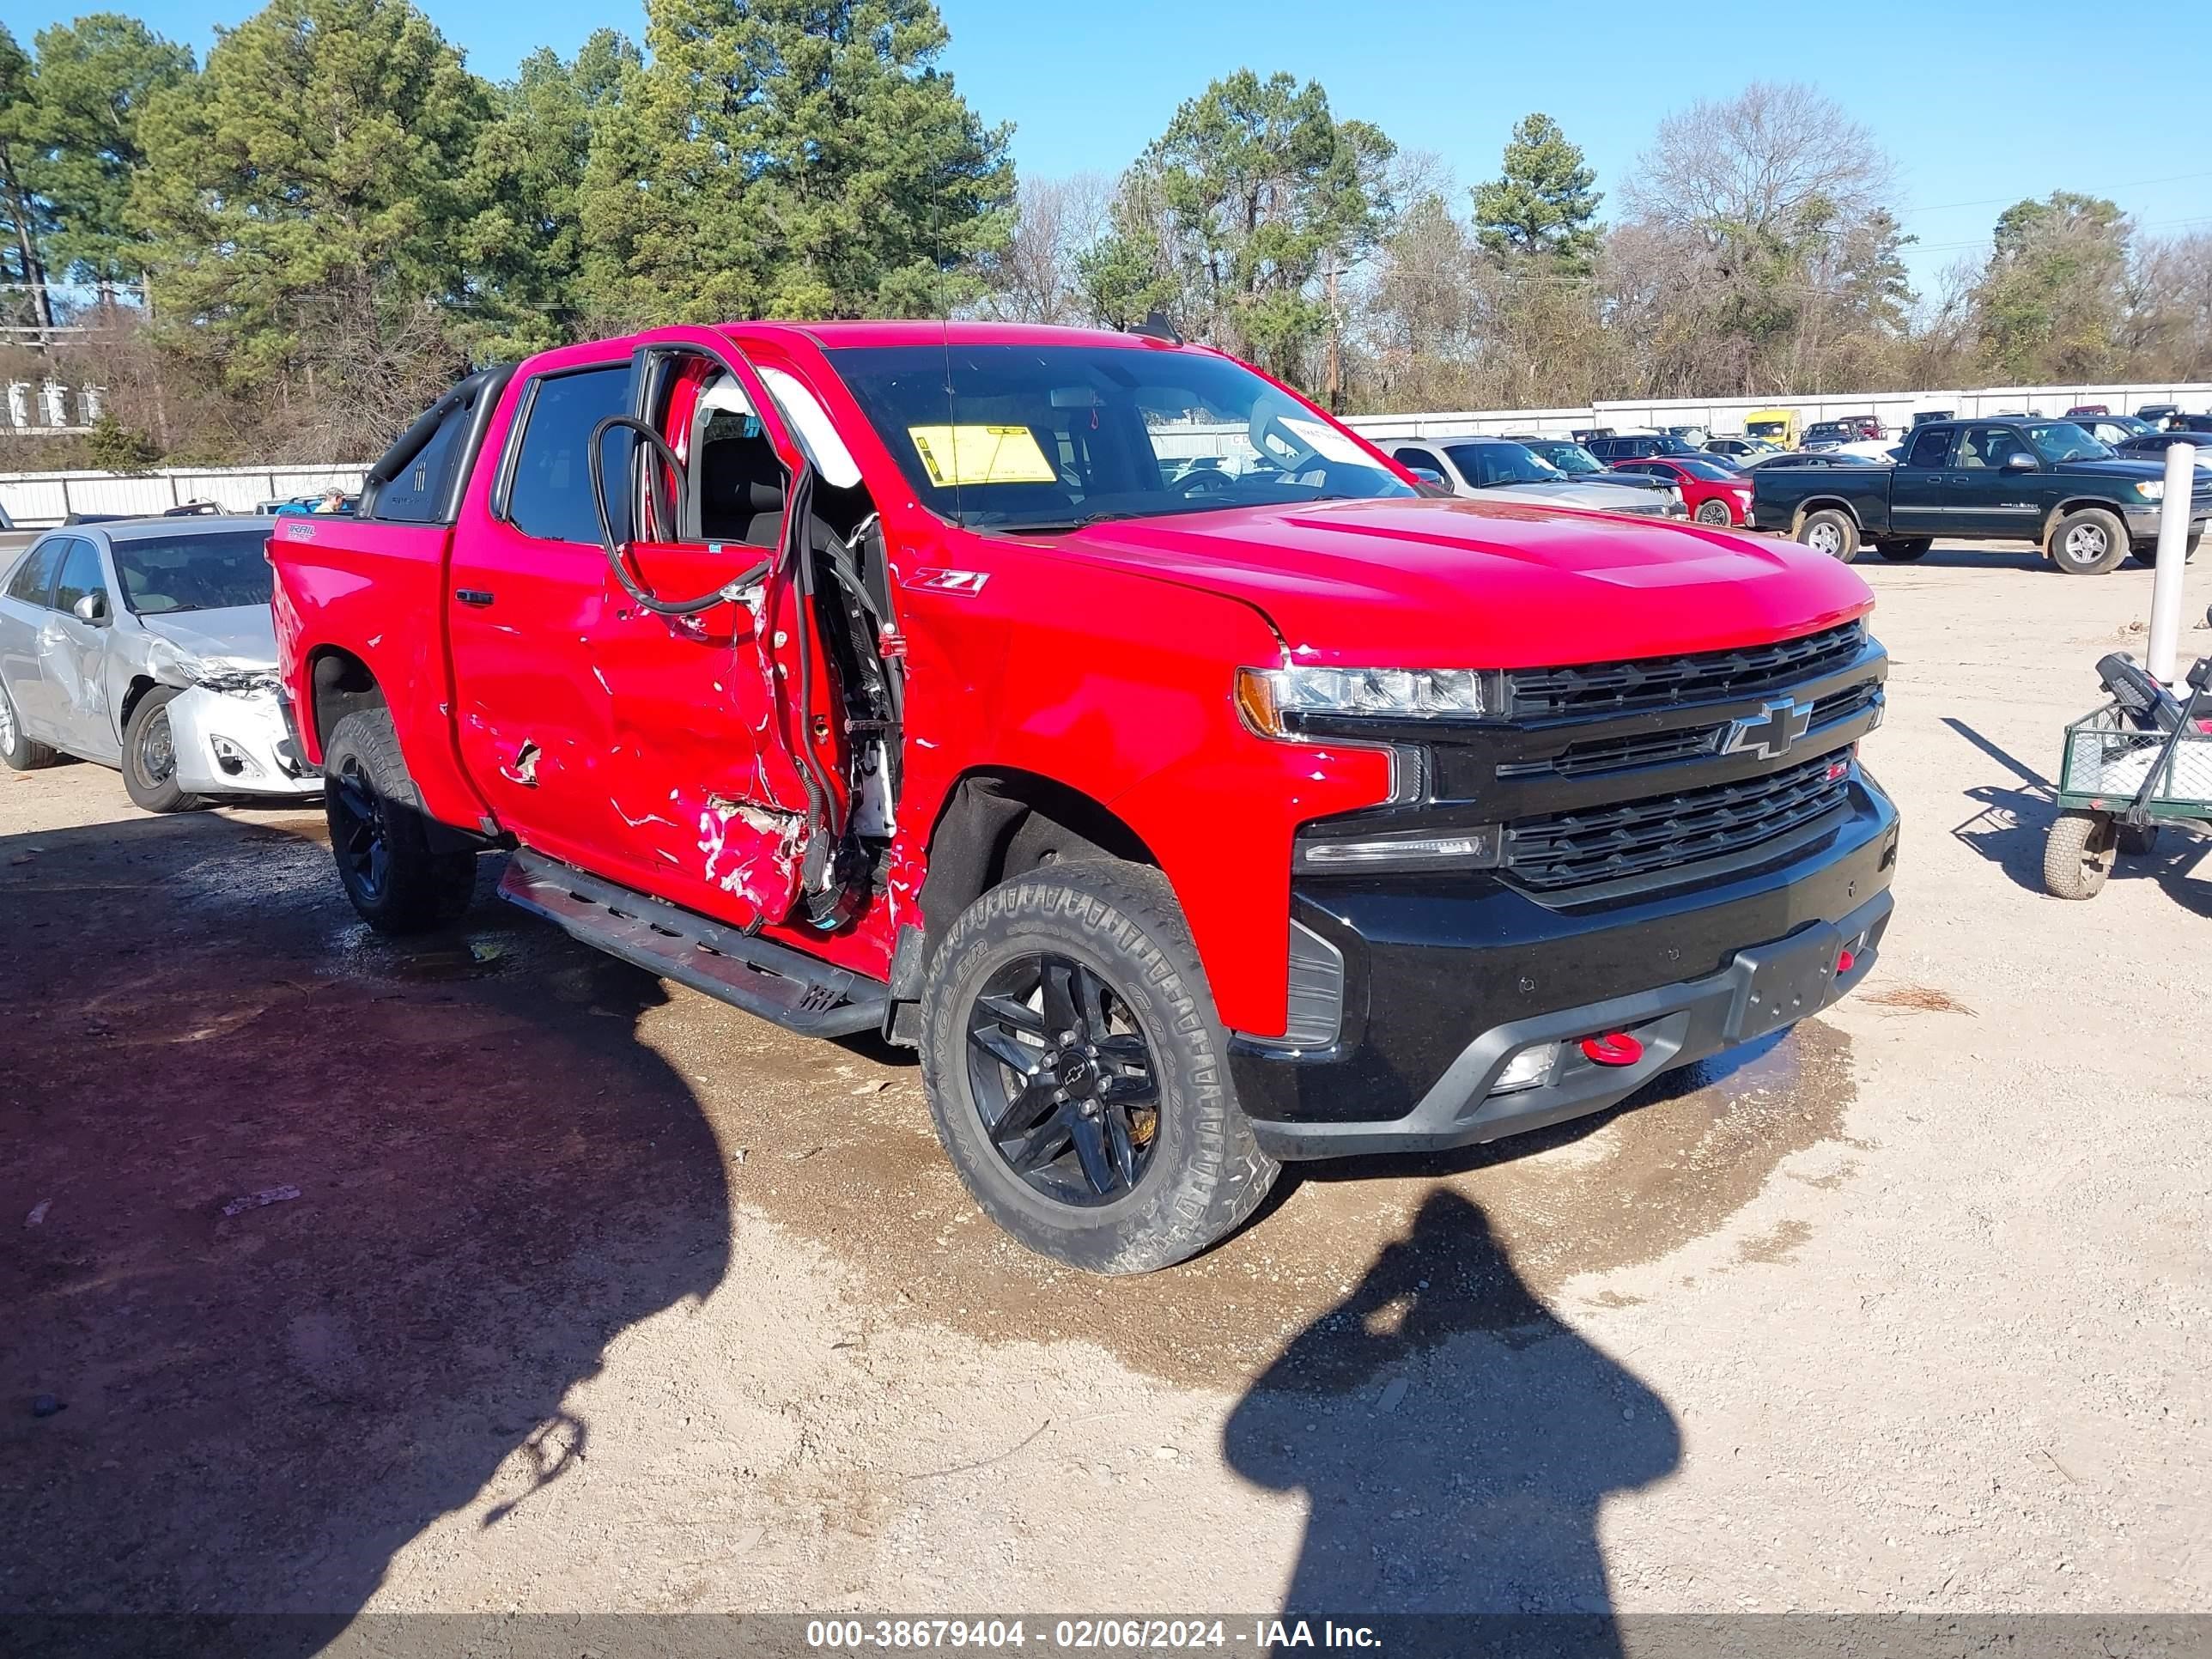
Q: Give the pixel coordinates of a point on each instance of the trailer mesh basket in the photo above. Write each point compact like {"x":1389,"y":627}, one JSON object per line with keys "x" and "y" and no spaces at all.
{"x":2107,"y":757}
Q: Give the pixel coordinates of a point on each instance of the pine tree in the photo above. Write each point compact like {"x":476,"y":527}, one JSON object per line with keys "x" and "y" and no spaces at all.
{"x":93,"y":80}
{"x":791,"y":158}
{"x":303,"y":196}
{"x":1542,"y":205}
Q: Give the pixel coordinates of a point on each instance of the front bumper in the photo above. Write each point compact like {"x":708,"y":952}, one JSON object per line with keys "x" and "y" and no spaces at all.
{"x":238,"y":744}
{"x":1445,"y":980}
{"x":2143,"y":522}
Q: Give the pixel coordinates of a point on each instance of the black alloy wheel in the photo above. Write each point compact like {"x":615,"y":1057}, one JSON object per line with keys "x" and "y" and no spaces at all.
{"x":1064,"y":1080}
{"x":360,"y":835}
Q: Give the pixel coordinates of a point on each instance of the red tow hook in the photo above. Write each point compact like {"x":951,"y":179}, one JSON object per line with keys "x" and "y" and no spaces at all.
{"x":1845,"y":963}
{"x":1614,"y":1049}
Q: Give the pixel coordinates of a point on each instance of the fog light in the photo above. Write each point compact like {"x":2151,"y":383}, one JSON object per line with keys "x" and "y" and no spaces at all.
{"x":1476,"y":848}
{"x":235,"y":762}
{"x":1527,"y":1069}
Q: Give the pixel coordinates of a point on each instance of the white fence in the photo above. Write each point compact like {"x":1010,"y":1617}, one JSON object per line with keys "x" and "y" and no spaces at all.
{"x":1894,"y":409}
{"x":45,"y":498}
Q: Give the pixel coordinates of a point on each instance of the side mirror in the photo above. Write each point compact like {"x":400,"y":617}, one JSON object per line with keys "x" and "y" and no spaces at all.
{"x":1426,"y":474}
{"x":2020,"y":461}
{"x":91,"y":608}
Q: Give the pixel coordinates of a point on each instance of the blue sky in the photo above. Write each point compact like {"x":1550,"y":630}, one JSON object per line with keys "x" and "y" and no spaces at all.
{"x":1979,"y":105}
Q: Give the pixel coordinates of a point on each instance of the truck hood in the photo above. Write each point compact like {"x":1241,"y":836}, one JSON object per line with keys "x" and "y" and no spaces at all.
{"x":2120,"y":466}
{"x":1428,"y":583}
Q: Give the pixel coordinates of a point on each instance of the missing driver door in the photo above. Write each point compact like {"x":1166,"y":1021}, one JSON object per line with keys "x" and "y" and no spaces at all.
{"x":710,"y":802}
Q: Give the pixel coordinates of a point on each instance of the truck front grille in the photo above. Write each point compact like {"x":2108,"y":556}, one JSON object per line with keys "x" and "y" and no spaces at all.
{"x":1623,"y":839}
{"x":1608,"y":688}
{"x":1599,"y":755}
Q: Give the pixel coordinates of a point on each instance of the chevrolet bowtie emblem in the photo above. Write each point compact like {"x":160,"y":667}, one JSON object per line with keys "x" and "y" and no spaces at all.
{"x":1770,"y":733}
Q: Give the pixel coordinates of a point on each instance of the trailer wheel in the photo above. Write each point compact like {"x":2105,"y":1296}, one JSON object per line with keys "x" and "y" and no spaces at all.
{"x":2088,"y":542}
{"x":2077,"y":855}
{"x":398,"y":881}
{"x":1079,"y":1073}
{"x":2138,"y":844}
{"x":1905,"y":551}
{"x":1831,"y":532}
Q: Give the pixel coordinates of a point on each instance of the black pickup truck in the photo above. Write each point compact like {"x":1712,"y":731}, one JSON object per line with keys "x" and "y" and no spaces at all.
{"x":2044,"y":481}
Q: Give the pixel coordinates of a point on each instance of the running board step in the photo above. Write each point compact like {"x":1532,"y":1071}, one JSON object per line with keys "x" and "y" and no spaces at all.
{"x":756,"y":975}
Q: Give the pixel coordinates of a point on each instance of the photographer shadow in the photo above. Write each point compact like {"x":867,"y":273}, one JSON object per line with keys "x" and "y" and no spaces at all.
{"x":1455,"y":1441}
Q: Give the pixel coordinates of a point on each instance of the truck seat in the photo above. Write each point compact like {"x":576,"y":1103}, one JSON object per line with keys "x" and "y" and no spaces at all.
{"x":741,"y":492}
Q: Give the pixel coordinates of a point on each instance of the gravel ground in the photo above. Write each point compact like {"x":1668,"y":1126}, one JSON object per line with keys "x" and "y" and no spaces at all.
{"x":572,"y":1291}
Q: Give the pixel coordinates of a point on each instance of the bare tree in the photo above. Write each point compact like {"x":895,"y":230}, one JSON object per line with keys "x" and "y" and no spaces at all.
{"x":1755,"y":163}
{"x":1036,"y":279}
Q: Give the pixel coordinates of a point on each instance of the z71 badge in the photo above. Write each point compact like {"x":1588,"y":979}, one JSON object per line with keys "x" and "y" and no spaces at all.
{"x":950,"y":581}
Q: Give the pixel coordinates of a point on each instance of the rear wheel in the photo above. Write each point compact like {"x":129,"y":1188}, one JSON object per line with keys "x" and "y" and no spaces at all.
{"x":2089,"y":543}
{"x":1831,"y":532}
{"x":2077,"y":855}
{"x":17,"y":750}
{"x":1078,"y":1072}
{"x":379,"y":836}
{"x":149,"y":756}
{"x":1715,"y":513}
{"x":1902,"y":552}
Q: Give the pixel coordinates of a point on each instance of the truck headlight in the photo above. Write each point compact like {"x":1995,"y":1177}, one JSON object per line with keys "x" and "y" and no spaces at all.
{"x":1270,"y":699}
{"x":1480,"y":846}
{"x":2151,"y":490}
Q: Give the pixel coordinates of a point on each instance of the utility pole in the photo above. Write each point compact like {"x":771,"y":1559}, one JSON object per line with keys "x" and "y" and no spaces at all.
{"x":1332,"y":373}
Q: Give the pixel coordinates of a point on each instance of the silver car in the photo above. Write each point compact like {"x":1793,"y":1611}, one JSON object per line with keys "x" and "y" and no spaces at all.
{"x":1500,"y":470}
{"x":148,"y":645}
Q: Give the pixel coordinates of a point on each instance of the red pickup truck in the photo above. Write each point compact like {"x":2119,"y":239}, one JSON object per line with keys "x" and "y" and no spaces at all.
{"x":1102,"y":717}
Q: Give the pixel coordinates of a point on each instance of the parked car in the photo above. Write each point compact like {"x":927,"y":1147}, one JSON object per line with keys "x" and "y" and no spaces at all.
{"x":2111,"y":430}
{"x":1636,"y":445}
{"x":1922,"y":416}
{"x":2189,"y":423}
{"x":1777,"y":426}
{"x":2154,"y":444}
{"x":2079,"y":410}
{"x":1500,"y":470}
{"x":1849,"y":430}
{"x":2155,"y":415}
{"x":1694,"y":435}
{"x":1741,"y":449}
{"x":147,"y":645}
{"x":968,"y":697}
{"x":1714,"y":494}
{"x":2043,"y":481}
{"x":1577,"y":463}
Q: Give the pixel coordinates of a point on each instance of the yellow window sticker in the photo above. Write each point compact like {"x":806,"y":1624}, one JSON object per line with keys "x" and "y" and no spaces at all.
{"x":981,"y":455}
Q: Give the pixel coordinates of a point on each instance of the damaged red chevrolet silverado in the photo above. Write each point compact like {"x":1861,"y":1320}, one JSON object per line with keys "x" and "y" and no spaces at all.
{"x":1102,"y":717}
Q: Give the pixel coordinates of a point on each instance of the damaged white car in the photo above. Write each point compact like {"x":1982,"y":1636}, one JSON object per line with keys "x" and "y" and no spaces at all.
{"x":147,"y":645}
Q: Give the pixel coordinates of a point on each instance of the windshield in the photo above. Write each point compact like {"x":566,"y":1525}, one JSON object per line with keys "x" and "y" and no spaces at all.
{"x":161,"y":574}
{"x":2063,"y":440}
{"x":1485,"y":465}
{"x":1030,"y":437}
{"x":1710,"y":471}
{"x":1571,"y":459}
{"x":1766,"y":429}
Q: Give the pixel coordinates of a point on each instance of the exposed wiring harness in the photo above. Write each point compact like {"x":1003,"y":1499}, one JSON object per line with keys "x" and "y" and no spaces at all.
{"x":595,"y":464}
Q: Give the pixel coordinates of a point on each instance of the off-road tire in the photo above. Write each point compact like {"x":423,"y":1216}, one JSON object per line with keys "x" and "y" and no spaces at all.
{"x":148,"y":729}
{"x":20,"y":753}
{"x":1206,"y":1173}
{"x":1902,"y":552}
{"x":1846,"y":536}
{"x":2146,"y":552}
{"x":2077,"y":855}
{"x":2087,"y":542}
{"x":419,"y":886}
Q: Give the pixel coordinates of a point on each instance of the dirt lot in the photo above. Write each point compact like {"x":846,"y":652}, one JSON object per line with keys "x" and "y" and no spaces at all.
{"x":595,"y":1294}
